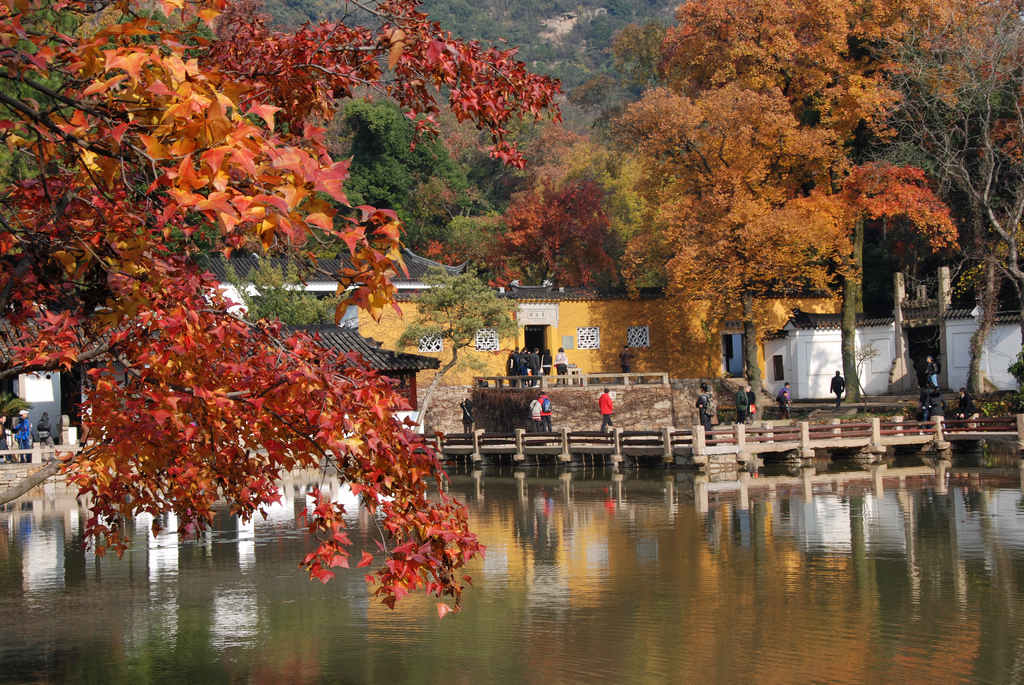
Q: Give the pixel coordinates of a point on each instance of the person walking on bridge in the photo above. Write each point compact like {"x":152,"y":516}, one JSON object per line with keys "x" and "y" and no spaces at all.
{"x":604,"y":403}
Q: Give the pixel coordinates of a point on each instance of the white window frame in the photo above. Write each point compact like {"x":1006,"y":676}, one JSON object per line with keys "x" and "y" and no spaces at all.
{"x":430,"y":343}
{"x":587,"y":331}
{"x":643,"y":332}
{"x":487,"y":340}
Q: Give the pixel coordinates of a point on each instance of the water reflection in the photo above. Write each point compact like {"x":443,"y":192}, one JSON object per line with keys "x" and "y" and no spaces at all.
{"x":910,"y":570}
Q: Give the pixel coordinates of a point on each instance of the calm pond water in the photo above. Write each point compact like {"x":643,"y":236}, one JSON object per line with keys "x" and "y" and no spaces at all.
{"x":901,"y":574}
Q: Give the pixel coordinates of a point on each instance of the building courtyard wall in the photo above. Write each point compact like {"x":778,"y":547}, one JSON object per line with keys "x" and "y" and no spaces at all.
{"x":683,"y":341}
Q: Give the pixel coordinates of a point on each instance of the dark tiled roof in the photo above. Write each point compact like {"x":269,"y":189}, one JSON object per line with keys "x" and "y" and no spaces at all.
{"x":550,"y":293}
{"x":965,"y":313}
{"x":417,"y":266}
{"x":931,"y":312}
{"x":346,"y":340}
{"x":806,"y":321}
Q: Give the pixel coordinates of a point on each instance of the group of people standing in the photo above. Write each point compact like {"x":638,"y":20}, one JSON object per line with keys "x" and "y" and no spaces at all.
{"x":534,"y":362}
{"x":24,"y":433}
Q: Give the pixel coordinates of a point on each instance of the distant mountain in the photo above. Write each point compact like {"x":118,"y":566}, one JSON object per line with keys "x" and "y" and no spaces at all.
{"x":566,"y":39}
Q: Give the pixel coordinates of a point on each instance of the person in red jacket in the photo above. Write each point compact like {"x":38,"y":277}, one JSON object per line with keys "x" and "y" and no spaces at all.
{"x":604,"y":403}
{"x":545,"y":412}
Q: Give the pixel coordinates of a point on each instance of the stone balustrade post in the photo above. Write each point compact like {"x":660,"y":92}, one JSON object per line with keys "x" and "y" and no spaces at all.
{"x":520,"y":455}
{"x":476,"y":456}
{"x":667,"y":455}
{"x":876,"y":435}
{"x":565,"y":456}
{"x":700,"y":446}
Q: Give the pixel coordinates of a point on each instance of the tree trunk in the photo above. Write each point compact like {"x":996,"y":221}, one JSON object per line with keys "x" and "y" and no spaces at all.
{"x":852,"y":299}
{"x":987,"y":302}
{"x":848,"y":327}
{"x":21,"y":487}
{"x":435,"y":381}
{"x":750,"y":339}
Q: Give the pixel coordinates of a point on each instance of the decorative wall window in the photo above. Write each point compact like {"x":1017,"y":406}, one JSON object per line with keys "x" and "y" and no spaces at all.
{"x":638,"y":336}
{"x":588,"y":338}
{"x":431,"y":343}
{"x":779,"y":372}
{"x":487,"y":340}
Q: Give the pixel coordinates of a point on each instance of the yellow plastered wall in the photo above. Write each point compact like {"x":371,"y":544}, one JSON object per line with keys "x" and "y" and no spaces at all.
{"x":683,"y":342}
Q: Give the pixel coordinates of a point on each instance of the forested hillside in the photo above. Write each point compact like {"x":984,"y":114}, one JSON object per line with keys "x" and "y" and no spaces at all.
{"x":567,"y":39}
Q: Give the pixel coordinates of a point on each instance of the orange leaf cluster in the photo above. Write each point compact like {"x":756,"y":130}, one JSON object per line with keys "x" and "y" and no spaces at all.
{"x":149,"y":141}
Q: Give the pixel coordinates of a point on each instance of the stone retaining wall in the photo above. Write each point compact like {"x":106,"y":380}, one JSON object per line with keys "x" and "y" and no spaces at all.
{"x":11,"y":474}
{"x":638,"y":407}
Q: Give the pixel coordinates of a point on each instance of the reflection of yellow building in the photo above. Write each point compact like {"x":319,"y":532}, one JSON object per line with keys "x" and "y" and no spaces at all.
{"x":666,"y":334}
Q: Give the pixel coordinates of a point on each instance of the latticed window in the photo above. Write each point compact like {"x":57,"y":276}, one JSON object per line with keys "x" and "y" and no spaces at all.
{"x":431,"y":343}
{"x":487,"y":340}
{"x":588,"y":338}
{"x":638,"y":336}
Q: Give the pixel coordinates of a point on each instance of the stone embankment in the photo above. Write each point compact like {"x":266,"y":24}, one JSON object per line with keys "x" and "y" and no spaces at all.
{"x":575,"y":408}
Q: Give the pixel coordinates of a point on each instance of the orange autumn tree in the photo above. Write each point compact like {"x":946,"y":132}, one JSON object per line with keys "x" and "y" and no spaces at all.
{"x":821,"y":61}
{"x":722,"y":170}
{"x":138,"y":140}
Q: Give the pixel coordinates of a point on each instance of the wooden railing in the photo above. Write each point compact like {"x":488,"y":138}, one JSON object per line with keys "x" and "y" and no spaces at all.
{"x":696,"y":442}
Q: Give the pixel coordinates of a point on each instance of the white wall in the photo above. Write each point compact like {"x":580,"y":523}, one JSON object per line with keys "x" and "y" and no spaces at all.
{"x":818,"y":355}
{"x":812,"y":357}
{"x":874,"y":373}
{"x":958,"y":350}
{"x":771,"y":348}
{"x":1001,"y":349}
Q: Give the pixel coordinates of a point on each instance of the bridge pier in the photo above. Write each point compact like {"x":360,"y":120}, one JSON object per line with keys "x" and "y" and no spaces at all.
{"x":476,"y":456}
{"x":519,"y":456}
{"x":940,"y":444}
{"x":565,"y":456}
{"x":616,"y":456}
{"x":806,"y":451}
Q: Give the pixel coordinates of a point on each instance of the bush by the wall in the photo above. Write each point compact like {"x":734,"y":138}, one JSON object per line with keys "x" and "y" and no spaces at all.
{"x":504,"y":410}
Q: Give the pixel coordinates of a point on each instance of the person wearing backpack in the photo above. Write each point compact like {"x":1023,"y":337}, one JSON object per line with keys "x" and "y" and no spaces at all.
{"x":706,"y":406}
{"x":535,"y":415}
{"x":545,"y":412}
